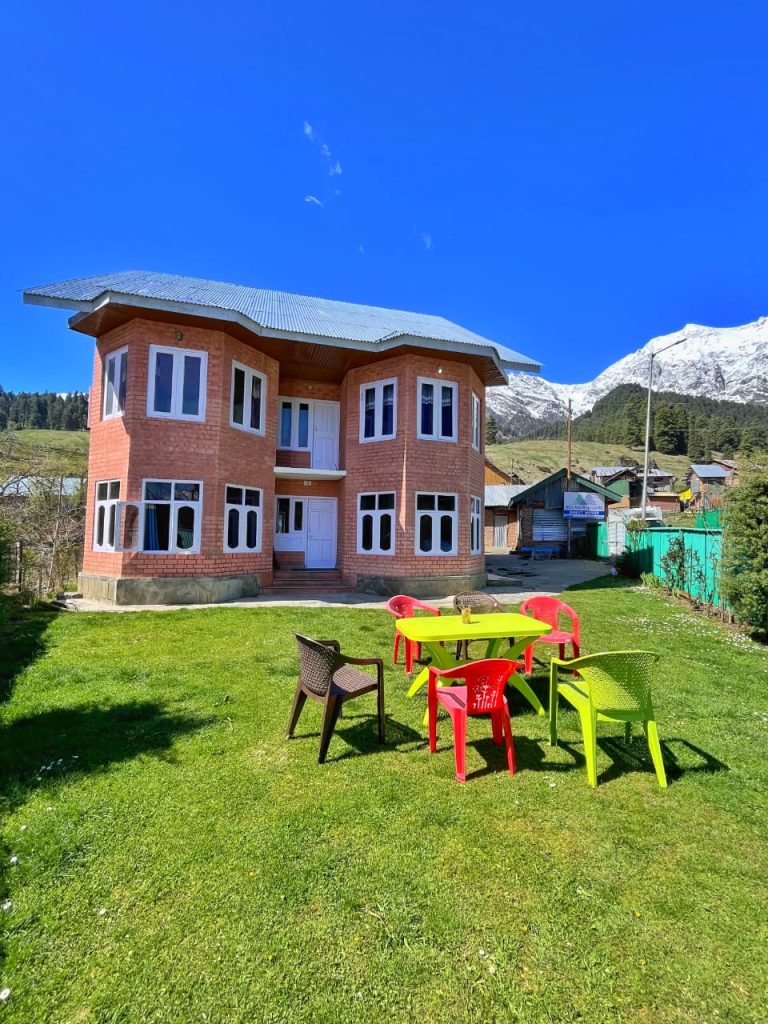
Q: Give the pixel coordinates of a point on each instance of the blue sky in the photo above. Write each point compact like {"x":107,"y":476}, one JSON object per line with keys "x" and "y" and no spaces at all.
{"x":566,"y":178}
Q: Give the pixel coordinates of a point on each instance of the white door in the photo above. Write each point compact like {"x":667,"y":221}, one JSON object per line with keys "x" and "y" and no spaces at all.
{"x":499,"y":531}
{"x":321,"y":533}
{"x":325,"y":436}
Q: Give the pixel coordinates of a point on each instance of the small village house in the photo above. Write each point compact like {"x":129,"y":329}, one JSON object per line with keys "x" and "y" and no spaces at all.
{"x":239,"y":435}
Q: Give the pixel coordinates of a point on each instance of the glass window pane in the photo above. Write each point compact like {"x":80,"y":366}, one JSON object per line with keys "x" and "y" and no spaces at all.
{"x":163,"y":381}
{"x":233,"y":495}
{"x":109,"y":397}
{"x":130,"y":527}
{"x":187,"y":492}
{"x":388,"y":409}
{"x":101,"y":491}
{"x":157,"y":527}
{"x":122,"y":382}
{"x":425,"y":501}
{"x":238,"y":395}
{"x":114,"y":489}
{"x":157,"y":490}
{"x":285,"y":425}
{"x":427,"y":410}
{"x":283,"y":514}
{"x":298,"y":515}
{"x":386,"y":501}
{"x":385,"y":532}
{"x":446,"y":533}
{"x":367,"y":533}
{"x":252,"y":529}
{"x":190,"y":399}
{"x":100,"y":513}
{"x":252,"y":497}
{"x":425,"y":533}
{"x":369,"y":413}
{"x":233,"y":528}
{"x":185,"y":527}
{"x":111,"y":526}
{"x":255,"y":421}
{"x":303,"y":425}
{"x":446,"y":502}
{"x":367,"y":501}
{"x":446,"y":422}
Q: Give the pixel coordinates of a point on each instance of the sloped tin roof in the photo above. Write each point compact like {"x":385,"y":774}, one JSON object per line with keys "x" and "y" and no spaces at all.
{"x":707,"y":471}
{"x":500,"y":495}
{"x":270,"y":310}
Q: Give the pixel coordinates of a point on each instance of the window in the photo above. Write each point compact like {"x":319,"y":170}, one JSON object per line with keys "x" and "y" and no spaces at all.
{"x":376,"y":524}
{"x":172,"y":514}
{"x":105,"y":515}
{"x":476,"y":421}
{"x":115,"y":379}
{"x":289,"y":524}
{"x":437,"y":410}
{"x":247,"y":403}
{"x":242,"y":519}
{"x":295,"y":424}
{"x":177,"y":378}
{"x":475,"y":526}
{"x":436,"y":524}
{"x":378,"y":411}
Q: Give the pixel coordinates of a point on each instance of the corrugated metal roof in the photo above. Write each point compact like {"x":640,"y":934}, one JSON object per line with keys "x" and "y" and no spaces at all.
{"x":702,"y":470}
{"x":610,"y":470}
{"x":272,"y":310}
{"x":498,"y":495}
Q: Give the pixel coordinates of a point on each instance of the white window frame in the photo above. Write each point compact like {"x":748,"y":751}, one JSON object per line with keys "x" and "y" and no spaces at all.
{"x":477,"y":421}
{"x":120,"y":358}
{"x":377,"y":514}
{"x":475,"y":526}
{"x":177,"y":383}
{"x":292,"y":540}
{"x":437,"y":418}
{"x":250,"y":373}
{"x":378,"y":410}
{"x":111,"y":507}
{"x":243,"y":511}
{"x":176,"y":504}
{"x":435,"y":515}
{"x":294,"y":446}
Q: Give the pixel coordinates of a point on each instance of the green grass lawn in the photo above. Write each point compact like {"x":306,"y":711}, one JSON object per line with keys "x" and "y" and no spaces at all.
{"x":179,"y":861}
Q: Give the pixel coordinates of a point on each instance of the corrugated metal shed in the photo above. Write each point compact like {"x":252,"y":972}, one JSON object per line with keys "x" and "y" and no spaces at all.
{"x":268,"y":309}
{"x":707,"y":472}
{"x":500,"y":495}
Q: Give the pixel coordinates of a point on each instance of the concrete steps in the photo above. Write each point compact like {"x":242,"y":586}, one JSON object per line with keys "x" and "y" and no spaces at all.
{"x":306,"y":581}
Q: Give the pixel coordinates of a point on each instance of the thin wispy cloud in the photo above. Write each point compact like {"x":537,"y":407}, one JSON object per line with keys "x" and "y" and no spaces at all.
{"x":361,"y":250}
{"x":314,"y":200}
{"x":333,"y":164}
{"x":309,"y":131}
{"x":426,"y":239}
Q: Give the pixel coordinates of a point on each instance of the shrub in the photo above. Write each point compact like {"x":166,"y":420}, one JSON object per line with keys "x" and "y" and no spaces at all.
{"x":744,"y":573}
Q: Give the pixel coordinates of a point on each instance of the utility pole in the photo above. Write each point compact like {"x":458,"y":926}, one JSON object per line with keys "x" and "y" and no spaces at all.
{"x":644,"y":505}
{"x":569,"y":466}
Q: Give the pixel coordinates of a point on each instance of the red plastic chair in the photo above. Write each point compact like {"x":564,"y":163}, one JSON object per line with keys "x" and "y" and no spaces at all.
{"x":548,"y":609}
{"x":403,"y":607}
{"x":482,"y":695}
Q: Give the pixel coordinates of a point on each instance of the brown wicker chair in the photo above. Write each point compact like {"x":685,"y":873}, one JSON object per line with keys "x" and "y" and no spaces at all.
{"x":478,"y":603}
{"x":327,"y":675}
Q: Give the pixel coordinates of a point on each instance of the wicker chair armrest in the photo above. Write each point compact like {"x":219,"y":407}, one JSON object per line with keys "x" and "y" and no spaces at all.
{"x":333,"y":644}
{"x":362,"y":661}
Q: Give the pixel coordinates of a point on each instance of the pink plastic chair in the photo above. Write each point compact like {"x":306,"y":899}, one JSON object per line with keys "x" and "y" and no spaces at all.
{"x":403,"y":607}
{"x":548,"y":609}
{"x":482,"y":695}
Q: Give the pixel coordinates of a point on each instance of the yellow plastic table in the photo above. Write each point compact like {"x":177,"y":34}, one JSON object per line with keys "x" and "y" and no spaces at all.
{"x":432,"y":631}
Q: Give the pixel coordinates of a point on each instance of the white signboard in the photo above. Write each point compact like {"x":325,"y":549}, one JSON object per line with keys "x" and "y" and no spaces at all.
{"x":583,"y":505}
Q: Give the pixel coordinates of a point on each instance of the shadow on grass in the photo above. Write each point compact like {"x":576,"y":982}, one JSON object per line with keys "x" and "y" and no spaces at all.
{"x":361,"y":733}
{"x":635,"y":757}
{"x":21,"y":643}
{"x":530,"y":755}
{"x":606,"y":582}
{"x":65,"y":743}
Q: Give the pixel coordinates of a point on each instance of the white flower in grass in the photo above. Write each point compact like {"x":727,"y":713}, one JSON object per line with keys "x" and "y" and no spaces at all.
{"x":102,"y":912}
{"x":491,"y":969}
{"x":14,"y":860}
{"x":6,"y":905}
{"x":5,"y":995}
{"x":481,"y":952}
{"x":23,"y":828}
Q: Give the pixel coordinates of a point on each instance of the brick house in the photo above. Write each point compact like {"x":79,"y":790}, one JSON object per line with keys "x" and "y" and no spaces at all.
{"x":239,"y":434}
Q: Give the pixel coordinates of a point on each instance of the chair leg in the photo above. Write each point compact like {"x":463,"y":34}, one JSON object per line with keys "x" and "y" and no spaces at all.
{"x":332,"y":708}
{"x":562,"y":651}
{"x":520,"y":684}
{"x":528,"y":659}
{"x":627,"y":733}
{"x":589,"y":733}
{"x":432,"y":720}
{"x":299,"y":701}
{"x":460,"y":746}
{"x":497,"y":727}
{"x":380,"y":707}
{"x":552,"y":704}
{"x":396,"y":650}
{"x":509,"y":741}
{"x":652,"y":735}
{"x":408,"y":656}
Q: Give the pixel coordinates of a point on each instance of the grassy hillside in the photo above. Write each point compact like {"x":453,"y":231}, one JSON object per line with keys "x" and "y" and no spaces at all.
{"x":43,"y":453}
{"x":532,"y":460}
{"x":75,"y":441}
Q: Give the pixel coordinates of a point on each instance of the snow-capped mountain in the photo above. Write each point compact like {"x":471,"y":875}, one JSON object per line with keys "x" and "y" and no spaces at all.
{"x":715,"y":362}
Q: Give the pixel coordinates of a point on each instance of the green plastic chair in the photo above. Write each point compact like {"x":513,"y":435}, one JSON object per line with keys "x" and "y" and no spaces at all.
{"x":611,"y":687}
